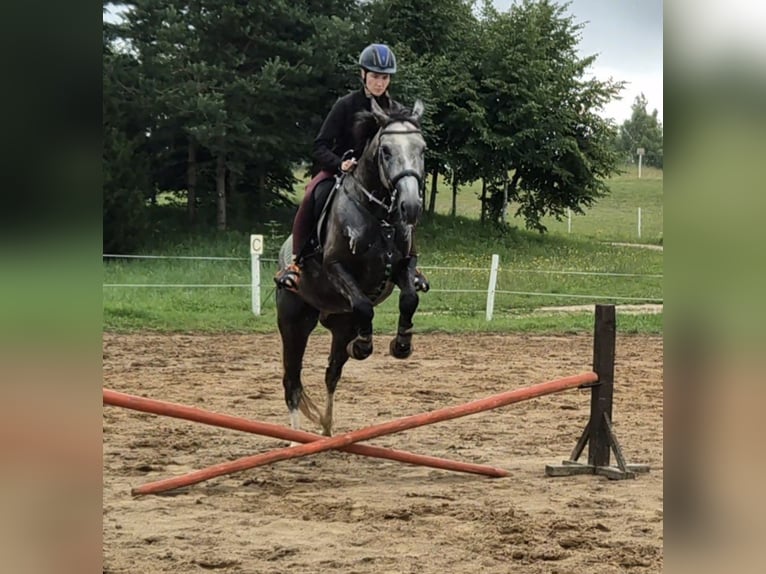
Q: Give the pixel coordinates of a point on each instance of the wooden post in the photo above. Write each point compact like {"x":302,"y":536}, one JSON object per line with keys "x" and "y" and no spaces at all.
{"x":599,"y":434}
{"x":494,"y":266}
{"x":256,"y":250}
{"x":604,"y":337}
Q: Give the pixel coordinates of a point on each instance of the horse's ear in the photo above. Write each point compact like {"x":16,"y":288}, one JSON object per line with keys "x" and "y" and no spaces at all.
{"x":417,"y":110}
{"x":379,"y":114}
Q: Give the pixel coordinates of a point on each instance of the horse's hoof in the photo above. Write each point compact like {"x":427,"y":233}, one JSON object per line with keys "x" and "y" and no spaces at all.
{"x":420,"y":282}
{"x":359,"y":349}
{"x":399,"y":351}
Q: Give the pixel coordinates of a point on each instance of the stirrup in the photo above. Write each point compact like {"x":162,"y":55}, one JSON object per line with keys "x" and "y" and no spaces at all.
{"x":289,"y":278}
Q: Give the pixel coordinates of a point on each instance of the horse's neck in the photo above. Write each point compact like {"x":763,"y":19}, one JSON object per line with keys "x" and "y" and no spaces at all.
{"x":367,"y":174}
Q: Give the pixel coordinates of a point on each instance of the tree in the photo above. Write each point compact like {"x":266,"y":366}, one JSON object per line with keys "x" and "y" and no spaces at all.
{"x":642,"y":130}
{"x":235,"y":90}
{"x":437,"y":43}
{"x":548,"y":149}
{"x":125,"y":160}
{"x":219,"y":101}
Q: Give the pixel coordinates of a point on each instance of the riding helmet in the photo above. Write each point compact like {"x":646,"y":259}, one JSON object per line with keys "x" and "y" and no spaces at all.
{"x":378,"y":58}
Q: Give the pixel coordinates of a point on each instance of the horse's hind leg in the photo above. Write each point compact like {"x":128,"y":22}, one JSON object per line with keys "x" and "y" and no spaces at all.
{"x":296,"y":320}
{"x":343,"y":332}
{"x":401,"y":345}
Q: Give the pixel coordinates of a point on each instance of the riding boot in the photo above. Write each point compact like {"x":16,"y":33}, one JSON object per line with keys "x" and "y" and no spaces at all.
{"x":289,"y":278}
{"x":419,"y":279}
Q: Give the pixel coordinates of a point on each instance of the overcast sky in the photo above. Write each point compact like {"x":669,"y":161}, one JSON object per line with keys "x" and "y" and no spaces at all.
{"x":626,"y":35}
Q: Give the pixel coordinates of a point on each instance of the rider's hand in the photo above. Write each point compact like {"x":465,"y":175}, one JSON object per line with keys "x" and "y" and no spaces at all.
{"x":348,"y":165}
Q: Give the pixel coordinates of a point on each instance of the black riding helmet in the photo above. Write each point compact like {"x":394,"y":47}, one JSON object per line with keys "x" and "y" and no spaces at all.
{"x":378,"y":58}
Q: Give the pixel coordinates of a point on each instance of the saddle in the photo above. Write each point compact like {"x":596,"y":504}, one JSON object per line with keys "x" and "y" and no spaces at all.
{"x":322,"y":196}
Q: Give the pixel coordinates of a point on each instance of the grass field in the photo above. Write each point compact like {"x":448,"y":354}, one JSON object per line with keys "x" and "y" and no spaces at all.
{"x":614,"y":217}
{"x":558,"y":269}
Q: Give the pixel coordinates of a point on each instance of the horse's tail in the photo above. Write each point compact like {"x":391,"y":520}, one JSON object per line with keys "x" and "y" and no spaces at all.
{"x":309,"y":408}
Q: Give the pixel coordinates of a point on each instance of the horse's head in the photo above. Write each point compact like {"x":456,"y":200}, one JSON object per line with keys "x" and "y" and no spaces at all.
{"x":397,"y":152}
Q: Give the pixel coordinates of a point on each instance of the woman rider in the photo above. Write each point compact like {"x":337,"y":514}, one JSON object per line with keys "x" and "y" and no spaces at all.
{"x":336,"y":141}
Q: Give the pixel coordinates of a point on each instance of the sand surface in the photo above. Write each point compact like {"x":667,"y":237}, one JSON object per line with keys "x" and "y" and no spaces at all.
{"x":339,"y":512}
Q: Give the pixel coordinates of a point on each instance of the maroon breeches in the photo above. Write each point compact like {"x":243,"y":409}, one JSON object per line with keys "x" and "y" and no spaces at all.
{"x":304,"y":218}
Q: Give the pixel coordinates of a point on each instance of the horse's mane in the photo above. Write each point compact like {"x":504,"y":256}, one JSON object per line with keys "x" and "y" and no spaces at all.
{"x":366,"y":124}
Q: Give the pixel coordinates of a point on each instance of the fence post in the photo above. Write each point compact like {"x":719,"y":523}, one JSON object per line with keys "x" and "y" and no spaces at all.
{"x":569,"y":220}
{"x":256,"y":249}
{"x":492,"y":286}
{"x":639,"y":223}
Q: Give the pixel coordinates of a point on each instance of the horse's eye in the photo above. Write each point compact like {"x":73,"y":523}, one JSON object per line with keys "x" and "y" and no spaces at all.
{"x":386,"y":152}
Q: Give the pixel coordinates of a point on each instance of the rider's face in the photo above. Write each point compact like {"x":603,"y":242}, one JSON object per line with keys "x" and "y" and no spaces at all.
{"x":376,"y":83}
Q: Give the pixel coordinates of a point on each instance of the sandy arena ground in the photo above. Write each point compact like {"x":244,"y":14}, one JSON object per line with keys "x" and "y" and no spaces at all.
{"x":340,"y":512}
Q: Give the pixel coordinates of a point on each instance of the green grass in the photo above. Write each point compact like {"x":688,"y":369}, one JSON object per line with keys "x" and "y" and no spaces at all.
{"x":228,"y":309}
{"x":613,"y":218}
{"x":444,"y":242}
{"x":529,"y":275}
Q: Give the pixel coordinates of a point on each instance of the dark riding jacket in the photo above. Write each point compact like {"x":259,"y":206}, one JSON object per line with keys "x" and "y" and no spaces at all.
{"x":336,"y":135}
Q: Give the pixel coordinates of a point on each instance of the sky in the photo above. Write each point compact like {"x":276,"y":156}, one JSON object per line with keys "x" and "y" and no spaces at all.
{"x":626,"y":37}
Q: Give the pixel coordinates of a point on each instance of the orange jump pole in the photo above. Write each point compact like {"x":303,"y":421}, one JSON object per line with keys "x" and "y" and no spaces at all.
{"x":390,"y":427}
{"x":178,"y":411}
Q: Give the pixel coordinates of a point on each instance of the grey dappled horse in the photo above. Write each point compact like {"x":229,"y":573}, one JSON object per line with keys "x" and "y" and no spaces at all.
{"x":366,"y":252}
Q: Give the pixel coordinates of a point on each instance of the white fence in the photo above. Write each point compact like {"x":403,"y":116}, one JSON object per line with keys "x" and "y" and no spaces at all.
{"x":638,"y":221}
{"x":256,"y":261}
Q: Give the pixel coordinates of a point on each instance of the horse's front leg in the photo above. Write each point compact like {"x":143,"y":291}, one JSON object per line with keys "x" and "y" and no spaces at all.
{"x":361,"y":309}
{"x":401,"y":345}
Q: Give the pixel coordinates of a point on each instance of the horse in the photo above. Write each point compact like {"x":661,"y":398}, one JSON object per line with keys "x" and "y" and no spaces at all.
{"x":367,"y":235}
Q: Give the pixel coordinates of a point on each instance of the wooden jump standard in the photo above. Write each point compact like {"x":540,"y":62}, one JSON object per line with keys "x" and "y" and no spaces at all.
{"x":598,"y":432}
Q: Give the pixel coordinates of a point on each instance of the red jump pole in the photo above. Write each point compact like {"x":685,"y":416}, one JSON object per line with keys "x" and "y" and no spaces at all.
{"x":266,"y":429}
{"x":374,"y":431}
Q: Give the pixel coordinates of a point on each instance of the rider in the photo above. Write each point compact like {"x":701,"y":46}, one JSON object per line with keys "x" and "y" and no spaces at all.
{"x":335,"y":139}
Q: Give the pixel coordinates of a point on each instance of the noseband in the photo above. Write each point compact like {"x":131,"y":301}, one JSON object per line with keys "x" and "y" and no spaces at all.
{"x":391,"y":183}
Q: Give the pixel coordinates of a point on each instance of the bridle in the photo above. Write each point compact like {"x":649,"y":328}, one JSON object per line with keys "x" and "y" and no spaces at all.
{"x":389,"y":183}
